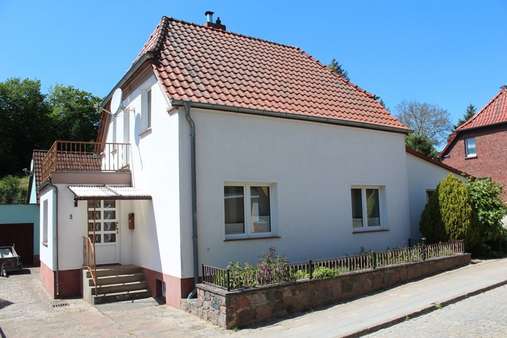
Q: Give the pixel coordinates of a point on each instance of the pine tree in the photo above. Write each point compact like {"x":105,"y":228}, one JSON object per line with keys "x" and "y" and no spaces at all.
{"x":469,"y":112}
{"x":336,"y":67}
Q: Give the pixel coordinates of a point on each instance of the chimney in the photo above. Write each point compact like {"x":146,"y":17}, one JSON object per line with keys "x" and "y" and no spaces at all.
{"x":209,"y":21}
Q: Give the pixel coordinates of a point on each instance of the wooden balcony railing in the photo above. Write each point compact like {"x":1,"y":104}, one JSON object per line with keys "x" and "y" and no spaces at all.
{"x":85,"y":156}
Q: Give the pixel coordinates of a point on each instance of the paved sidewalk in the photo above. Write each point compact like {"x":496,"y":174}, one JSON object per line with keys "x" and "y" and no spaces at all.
{"x":349,"y":318}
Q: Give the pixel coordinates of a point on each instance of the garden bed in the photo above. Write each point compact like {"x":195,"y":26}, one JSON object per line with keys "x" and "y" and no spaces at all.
{"x":244,"y":306}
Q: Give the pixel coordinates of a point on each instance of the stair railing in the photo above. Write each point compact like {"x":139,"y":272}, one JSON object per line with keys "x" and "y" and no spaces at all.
{"x":89,"y":260}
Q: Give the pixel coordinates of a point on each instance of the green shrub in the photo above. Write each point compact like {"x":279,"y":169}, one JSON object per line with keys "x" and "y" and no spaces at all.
{"x":322,"y":272}
{"x":449,"y":215}
{"x":489,"y":211}
{"x":300,"y":274}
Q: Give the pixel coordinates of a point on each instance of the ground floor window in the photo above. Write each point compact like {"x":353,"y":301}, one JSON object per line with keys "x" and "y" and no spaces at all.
{"x":247,"y":209}
{"x":102,"y":221}
{"x":366,"y":207}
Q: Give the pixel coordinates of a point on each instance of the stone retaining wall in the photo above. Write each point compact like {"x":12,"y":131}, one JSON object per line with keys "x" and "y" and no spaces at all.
{"x":240,"y":308}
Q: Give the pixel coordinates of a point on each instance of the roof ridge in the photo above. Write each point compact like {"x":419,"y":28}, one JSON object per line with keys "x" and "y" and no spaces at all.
{"x":230,"y":33}
{"x":500,"y":92}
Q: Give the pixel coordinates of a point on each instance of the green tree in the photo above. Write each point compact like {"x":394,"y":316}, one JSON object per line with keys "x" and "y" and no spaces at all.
{"x":74,"y":113}
{"x":486,"y":198}
{"x":337,"y":68}
{"x":469,"y":112}
{"x":425,"y":119}
{"x":449,"y":214}
{"x":24,"y":122}
{"x":13,"y":189}
{"x":422,"y":144}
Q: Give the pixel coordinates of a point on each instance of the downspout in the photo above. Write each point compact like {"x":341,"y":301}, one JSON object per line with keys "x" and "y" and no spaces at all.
{"x":191,"y":123}
{"x":57,"y":274}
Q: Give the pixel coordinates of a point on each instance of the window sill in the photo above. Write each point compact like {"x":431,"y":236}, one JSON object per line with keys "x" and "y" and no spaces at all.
{"x":145,"y":132}
{"x":371,"y":229}
{"x":470,"y":157}
{"x":245,"y":238}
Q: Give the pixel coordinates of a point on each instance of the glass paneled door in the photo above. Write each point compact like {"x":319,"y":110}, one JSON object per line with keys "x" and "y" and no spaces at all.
{"x":104,"y":230}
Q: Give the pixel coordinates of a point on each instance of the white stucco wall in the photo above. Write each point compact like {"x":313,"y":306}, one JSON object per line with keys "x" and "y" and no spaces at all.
{"x":155,"y":243}
{"x":47,"y":252}
{"x":422,"y":176}
{"x":312,"y":167}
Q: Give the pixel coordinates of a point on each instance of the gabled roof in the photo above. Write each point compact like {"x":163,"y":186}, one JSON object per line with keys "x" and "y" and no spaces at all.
{"x":494,"y":113}
{"x":210,"y":66}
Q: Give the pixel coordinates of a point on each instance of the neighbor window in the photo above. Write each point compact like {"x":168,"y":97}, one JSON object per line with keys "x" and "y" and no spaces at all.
{"x":45,"y":221}
{"x":247,"y":209}
{"x":470,"y":149}
{"x":429,"y":193}
{"x":366,"y":207}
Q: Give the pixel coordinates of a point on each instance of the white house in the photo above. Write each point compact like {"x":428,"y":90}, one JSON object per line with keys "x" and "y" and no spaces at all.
{"x":214,"y":148}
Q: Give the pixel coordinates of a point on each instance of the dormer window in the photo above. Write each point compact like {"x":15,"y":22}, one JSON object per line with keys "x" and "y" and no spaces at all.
{"x":470,"y":149}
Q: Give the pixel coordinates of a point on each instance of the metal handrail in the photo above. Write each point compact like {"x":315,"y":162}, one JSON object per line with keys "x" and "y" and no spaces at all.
{"x":89,"y":259}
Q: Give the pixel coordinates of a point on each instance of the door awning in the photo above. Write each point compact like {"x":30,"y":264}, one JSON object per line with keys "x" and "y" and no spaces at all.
{"x":107,"y":192}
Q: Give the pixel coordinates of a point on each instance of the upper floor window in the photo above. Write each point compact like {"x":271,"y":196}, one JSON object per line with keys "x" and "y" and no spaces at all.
{"x":366,"y":207}
{"x":470,"y":149}
{"x":146,"y":101}
{"x":247,"y":209}
{"x":45,"y":221}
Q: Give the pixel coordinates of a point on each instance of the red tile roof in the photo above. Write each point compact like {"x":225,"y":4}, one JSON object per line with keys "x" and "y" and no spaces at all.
{"x":37,"y":157}
{"x":436,"y":162}
{"x":209,"y":66}
{"x":494,"y":112}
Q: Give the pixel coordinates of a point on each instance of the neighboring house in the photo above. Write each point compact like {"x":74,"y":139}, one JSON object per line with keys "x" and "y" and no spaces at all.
{"x":223,"y":147}
{"x":479,"y":146}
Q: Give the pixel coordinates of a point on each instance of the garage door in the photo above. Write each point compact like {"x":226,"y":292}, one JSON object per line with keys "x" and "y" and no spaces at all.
{"x":22,"y":236}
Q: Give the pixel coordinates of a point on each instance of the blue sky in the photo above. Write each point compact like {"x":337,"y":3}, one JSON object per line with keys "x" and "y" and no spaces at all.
{"x":449,"y":53}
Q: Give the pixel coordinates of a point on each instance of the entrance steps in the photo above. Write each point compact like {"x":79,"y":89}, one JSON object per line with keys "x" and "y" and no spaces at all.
{"x":115,"y":283}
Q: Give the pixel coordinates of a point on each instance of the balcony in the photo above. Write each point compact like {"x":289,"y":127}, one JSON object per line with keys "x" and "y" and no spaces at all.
{"x":71,"y":156}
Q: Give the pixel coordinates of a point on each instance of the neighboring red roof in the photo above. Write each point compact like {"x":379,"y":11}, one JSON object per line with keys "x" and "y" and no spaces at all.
{"x":436,"y":162}
{"x":495,"y":112}
{"x":37,"y":157}
{"x":210,"y":66}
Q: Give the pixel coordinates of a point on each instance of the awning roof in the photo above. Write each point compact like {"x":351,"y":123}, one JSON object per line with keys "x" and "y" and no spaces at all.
{"x":105,"y":192}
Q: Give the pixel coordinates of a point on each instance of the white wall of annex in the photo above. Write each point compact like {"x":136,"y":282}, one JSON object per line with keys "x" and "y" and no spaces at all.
{"x":155,"y":242}
{"x":47,"y":252}
{"x":313,"y":167}
{"x":422,"y":176}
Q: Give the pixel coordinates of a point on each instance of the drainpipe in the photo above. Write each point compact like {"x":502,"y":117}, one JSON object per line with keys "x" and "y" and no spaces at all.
{"x":57,"y":278}
{"x":191,"y":123}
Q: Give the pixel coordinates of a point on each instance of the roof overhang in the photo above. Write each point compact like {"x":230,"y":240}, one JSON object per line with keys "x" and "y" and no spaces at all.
{"x":107,"y":192}
{"x":293,"y":116}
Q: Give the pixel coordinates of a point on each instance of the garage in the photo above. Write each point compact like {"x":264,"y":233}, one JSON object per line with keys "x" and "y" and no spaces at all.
{"x":19,"y":226}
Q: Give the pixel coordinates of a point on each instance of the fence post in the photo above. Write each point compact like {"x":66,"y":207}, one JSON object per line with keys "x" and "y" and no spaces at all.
{"x":202,"y":268}
{"x":310,"y":267}
{"x":374,"y":260}
{"x":228,"y":281}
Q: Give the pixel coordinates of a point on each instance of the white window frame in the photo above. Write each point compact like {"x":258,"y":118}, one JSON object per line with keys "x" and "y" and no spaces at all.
{"x":382,"y":209}
{"x":467,"y":151}
{"x":45,"y":222}
{"x":103,"y":220}
{"x":246,"y":209}
{"x":146,"y":109}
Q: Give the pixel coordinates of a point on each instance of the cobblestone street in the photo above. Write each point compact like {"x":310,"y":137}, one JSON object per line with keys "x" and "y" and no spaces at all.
{"x":484,"y":315}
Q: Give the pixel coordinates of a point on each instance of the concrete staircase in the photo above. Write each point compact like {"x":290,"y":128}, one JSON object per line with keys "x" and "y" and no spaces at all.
{"x":115,"y":283}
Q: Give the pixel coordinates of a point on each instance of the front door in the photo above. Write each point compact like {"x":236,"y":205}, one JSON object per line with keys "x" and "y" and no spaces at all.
{"x":103,"y":229}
